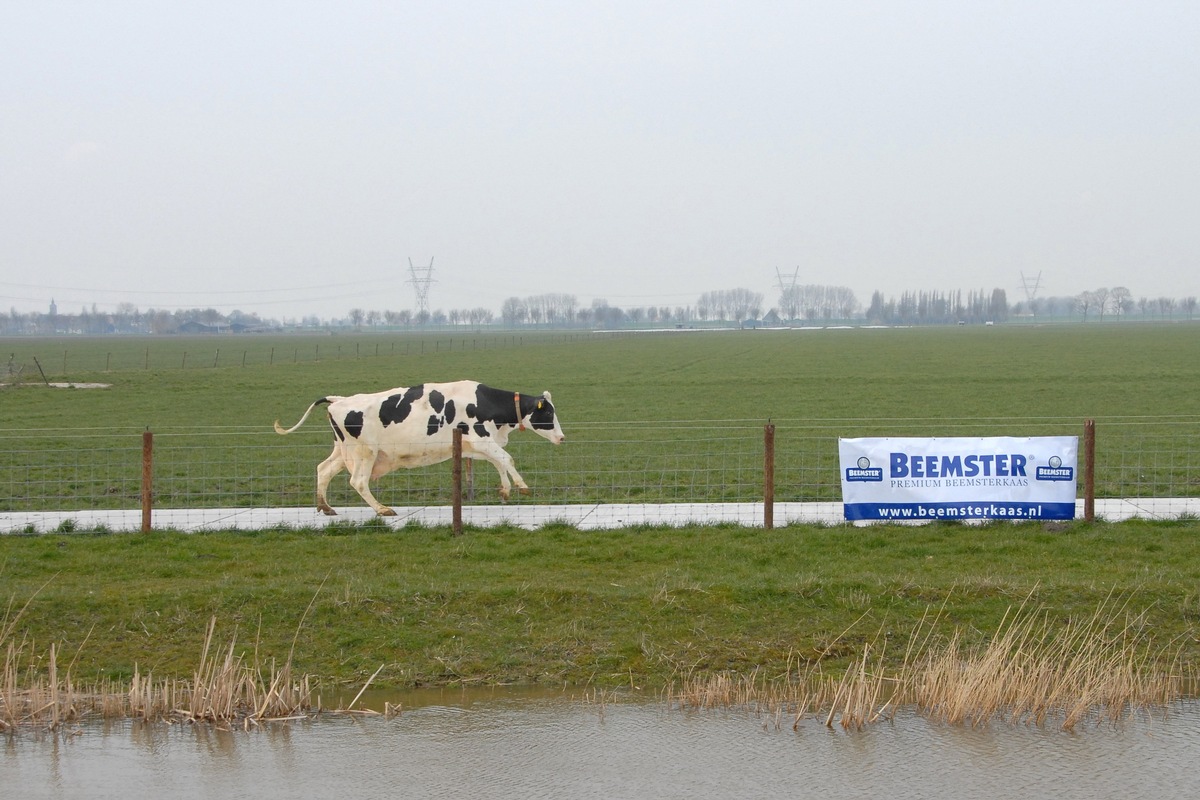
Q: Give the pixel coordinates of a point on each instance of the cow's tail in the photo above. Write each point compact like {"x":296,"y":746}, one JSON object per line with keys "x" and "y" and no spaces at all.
{"x":323,"y":401}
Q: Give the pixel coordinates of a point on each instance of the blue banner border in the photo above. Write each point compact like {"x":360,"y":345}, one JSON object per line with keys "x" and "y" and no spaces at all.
{"x":985,"y":509}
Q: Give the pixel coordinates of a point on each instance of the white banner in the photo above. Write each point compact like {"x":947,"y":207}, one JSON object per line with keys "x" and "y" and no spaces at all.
{"x":1001,"y":477}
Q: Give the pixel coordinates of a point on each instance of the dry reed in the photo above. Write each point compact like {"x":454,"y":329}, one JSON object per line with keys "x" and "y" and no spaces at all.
{"x":225,"y":689}
{"x":1034,"y":670}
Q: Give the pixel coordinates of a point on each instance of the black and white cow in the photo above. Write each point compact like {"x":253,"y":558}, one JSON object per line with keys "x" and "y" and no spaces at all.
{"x":413,"y":427}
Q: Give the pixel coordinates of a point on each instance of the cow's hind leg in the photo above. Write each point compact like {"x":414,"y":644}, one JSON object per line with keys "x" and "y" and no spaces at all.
{"x":326,"y":470}
{"x":360,"y":478}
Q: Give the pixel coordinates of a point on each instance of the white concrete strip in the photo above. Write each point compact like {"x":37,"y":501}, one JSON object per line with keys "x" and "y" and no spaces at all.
{"x":587,"y":517}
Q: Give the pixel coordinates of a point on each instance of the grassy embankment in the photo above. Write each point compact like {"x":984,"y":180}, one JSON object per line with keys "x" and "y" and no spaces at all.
{"x":557,"y":605}
{"x":630,"y":607}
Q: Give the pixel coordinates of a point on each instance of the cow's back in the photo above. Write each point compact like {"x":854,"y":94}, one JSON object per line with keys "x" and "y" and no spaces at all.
{"x":419,"y":416}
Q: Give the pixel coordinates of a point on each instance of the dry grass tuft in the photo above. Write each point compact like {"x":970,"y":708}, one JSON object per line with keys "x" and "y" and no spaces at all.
{"x":1034,"y":670}
{"x":225,"y":690}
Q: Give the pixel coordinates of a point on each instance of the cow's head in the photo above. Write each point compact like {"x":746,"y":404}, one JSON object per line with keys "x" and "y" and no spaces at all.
{"x":544,"y":421}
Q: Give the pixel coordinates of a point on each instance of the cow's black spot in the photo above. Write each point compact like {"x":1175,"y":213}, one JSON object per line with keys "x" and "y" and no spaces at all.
{"x":436,"y":401}
{"x":396,"y":408}
{"x":464,"y":428}
{"x":341,"y":437}
{"x":481,"y":430}
{"x":449,"y":411}
{"x":353,"y":423}
{"x":435,"y":424}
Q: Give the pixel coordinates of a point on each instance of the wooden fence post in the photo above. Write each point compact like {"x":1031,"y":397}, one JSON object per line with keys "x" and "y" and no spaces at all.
{"x":41,"y":371}
{"x":769,"y":476}
{"x":456,"y":520}
{"x":1089,"y":470}
{"x":147,"y":478}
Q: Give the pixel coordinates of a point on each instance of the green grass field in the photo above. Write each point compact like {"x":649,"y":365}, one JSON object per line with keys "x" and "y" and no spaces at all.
{"x":627,"y":607}
{"x":1056,"y":371}
{"x":668,"y":417}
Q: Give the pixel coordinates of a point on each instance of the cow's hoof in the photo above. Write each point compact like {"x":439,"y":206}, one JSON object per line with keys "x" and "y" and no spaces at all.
{"x":386,"y":512}
{"x":524,"y":490}
{"x":327,"y":511}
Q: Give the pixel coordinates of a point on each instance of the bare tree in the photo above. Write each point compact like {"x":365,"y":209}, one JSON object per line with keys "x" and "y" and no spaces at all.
{"x":790,"y":302}
{"x":1121,"y":300}
{"x":513,"y":311}
{"x":729,"y":303}
{"x":1084,"y":302}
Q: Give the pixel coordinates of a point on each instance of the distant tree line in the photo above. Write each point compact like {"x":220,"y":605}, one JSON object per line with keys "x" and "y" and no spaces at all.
{"x":938,"y":308}
{"x":126,"y":319}
{"x":541,"y":309}
{"x":807,"y":303}
{"x":729,"y":305}
{"x":817,"y":302}
{"x":564,"y":310}
{"x":1119,"y":302}
{"x":358,"y":317}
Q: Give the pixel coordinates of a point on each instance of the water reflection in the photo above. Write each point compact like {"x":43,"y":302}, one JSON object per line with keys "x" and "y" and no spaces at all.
{"x":502,"y":745}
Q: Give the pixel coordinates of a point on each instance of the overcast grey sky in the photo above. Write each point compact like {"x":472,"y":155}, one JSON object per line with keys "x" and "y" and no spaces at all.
{"x":290,"y":158}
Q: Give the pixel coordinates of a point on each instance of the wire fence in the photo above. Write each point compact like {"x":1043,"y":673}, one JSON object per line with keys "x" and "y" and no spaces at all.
{"x":678,"y":463}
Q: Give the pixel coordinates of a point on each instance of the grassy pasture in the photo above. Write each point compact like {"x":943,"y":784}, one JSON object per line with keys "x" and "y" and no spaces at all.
{"x":1055,"y":371}
{"x":642,"y":412}
{"x":642,"y":606}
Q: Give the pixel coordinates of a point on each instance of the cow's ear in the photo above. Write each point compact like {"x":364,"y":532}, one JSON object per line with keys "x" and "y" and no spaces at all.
{"x":547,"y":396}
{"x":540,"y":404}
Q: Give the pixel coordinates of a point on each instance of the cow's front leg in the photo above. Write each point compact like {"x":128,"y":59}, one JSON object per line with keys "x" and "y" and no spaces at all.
{"x":511,"y":468}
{"x":502,"y":461}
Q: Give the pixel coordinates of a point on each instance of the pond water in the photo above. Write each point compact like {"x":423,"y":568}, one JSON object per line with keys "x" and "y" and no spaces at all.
{"x":511,"y":745}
